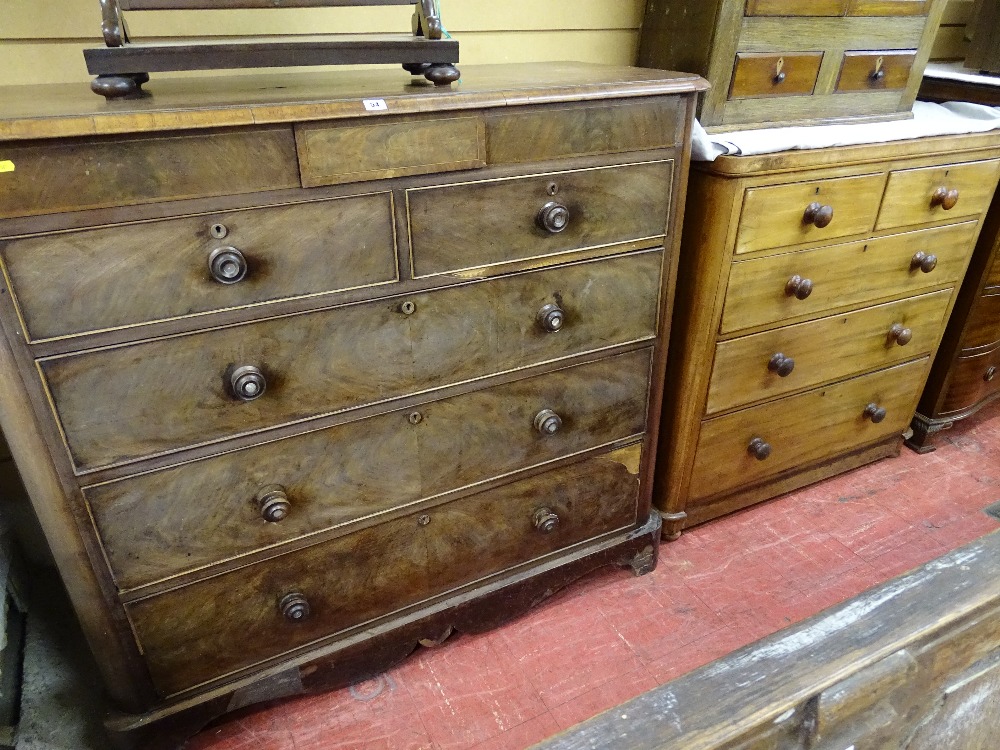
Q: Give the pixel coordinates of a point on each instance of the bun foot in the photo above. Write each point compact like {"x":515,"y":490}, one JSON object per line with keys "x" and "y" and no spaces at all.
{"x":442,"y":74}
{"x":119,"y":86}
{"x":416,"y":69}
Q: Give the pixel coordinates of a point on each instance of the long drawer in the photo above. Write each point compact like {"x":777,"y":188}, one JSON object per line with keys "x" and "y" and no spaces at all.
{"x":972,"y":379}
{"x":782,"y":360}
{"x":181,"y":391}
{"x":160,"y":524}
{"x":747,"y":446}
{"x":213,"y":627}
{"x":982,"y":329}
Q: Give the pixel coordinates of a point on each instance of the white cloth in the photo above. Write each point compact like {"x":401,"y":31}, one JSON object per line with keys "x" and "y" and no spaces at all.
{"x":956,"y":71}
{"x":951,"y":118}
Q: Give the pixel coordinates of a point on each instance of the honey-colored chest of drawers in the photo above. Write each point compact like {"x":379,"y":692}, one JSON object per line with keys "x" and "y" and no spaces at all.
{"x":295,"y":388}
{"x":795,"y":61}
{"x":812,"y":296}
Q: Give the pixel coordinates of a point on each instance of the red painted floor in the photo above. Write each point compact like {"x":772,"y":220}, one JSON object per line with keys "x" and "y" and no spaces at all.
{"x":612,"y":636}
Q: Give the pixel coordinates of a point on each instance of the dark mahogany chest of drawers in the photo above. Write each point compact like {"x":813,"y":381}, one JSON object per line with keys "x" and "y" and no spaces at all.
{"x":295,"y":388}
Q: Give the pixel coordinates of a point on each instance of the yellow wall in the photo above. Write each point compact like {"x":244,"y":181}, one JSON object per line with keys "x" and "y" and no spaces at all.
{"x":41,"y":40}
{"x":950,"y":43}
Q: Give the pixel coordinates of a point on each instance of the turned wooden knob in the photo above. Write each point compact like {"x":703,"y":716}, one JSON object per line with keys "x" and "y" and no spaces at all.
{"x":294,"y":607}
{"x":781,"y":365}
{"x":553,"y":217}
{"x":818,"y":215}
{"x":547,"y":422}
{"x":945,"y":198}
{"x":991,"y":372}
{"x":759,"y":448}
{"x":247,"y":383}
{"x":923,"y":261}
{"x":546,"y":520}
{"x":227,"y":265}
{"x":551,"y":318}
{"x":273,"y":503}
{"x":899,"y":334}
{"x":875,"y":413}
{"x":798,"y":287}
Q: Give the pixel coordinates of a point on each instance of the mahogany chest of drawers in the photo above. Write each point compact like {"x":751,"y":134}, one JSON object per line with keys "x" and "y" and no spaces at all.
{"x":794,"y":61}
{"x":295,"y":388}
{"x":812,"y":296}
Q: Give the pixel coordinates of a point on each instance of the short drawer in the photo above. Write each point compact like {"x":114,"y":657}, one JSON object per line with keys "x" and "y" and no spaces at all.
{"x":211,"y":628}
{"x":917,"y":196}
{"x":75,"y":282}
{"x":111,"y":172}
{"x":889,"y":7}
{"x":796,"y":7}
{"x":748,"y":446}
{"x":180,"y":391}
{"x":766,"y":74}
{"x":808,"y":283}
{"x":333,"y":153}
{"x":780,"y":215}
{"x":773,"y":363}
{"x":972,"y":379}
{"x":488,"y":223}
{"x":168,"y":522}
{"x":875,"y":71}
{"x":982,"y":329}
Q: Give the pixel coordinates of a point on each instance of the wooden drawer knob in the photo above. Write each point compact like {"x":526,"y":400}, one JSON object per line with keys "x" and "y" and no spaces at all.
{"x":875,"y":413}
{"x":991,"y":372}
{"x":294,"y":607}
{"x":818,"y":215}
{"x":798,"y":287}
{"x":273,"y":503}
{"x":247,"y":383}
{"x":553,"y":217}
{"x":547,"y":422}
{"x":546,"y":520}
{"x":227,"y":265}
{"x":899,"y":334}
{"x":759,"y":448}
{"x":781,"y":365}
{"x":551,"y":318}
{"x":923,"y":261}
{"x":945,"y":198}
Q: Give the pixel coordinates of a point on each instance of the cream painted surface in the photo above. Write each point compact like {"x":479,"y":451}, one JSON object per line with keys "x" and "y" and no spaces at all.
{"x":42,"y":42}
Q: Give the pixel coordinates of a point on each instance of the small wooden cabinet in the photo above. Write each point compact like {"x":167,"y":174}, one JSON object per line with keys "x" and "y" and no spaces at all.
{"x":295,"y":388}
{"x":813,"y":293}
{"x":776,"y":62}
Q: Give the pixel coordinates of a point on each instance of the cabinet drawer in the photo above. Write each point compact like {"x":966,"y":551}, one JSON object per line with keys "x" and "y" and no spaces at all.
{"x":178,"y":391}
{"x":993,"y":277}
{"x":875,"y":71}
{"x":208,"y":629}
{"x":796,"y":7}
{"x":753,"y":368}
{"x":889,"y":7}
{"x":498,"y":221}
{"x":168,"y":522}
{"x":804,"y":428}
{"x":766,"y":74}
{"x":916,"y":196}
{"x":983,"y":326}
{"x":75,"y":282}
{"x":972,"y":380}
{"x":780,"y":215}
{"x":763,"y":290}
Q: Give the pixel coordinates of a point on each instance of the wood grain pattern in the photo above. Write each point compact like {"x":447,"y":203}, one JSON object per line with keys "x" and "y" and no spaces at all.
{"x":908,"y":194}
{"x":497,"y":221}
{"x":843,"y":275}
{"x":221,"y":624}
{"x":172,"y":392}
{"x":75,"y":282}
{"x":824,"y":350}
{"x":982,"y":329}
{"x":796,"y":7}
{"x":803,"y":428}
{"x":875,"y":71}
{"x":889,"y":7}
{"x":993,"y":275}
{"x":766,"y":74}
{"x":970,"y":383}
{"x":168,"y":522}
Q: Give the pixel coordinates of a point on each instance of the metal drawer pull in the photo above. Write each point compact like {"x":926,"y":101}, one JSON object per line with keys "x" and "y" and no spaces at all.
{"x":551,"y":318}
{"x":553,"y":217}
{"x":273,"y":503}
{"x":294,"y":607}
{"x":547,"y":422}
{"x":227,"y":265}
{"x":248,"y":383}
{"x":546,"y":520}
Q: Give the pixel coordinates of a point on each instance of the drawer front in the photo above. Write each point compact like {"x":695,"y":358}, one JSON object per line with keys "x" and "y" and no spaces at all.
{"x":770,"y":364}
{"x":75,"y":282}
{"x":972,"y":380}
{"x":177,"y":391}
{"x":804,"y":428}
{"x":763,"y":290}
{"x":983,"y":326}
{"x":993,"y":277}
{"x":875,"y":71}
{"x":498,"y":221}
{"x":205,"y":630}
{"x":796,"y":7}
{"x":916,"y":196}
{"x":180,"y":519}
{"x":889,"y":7}
{"x":110,"y":172}
{"x":331,"y":154}
{"x":781,"y":215}
{"x":766,"y":74}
